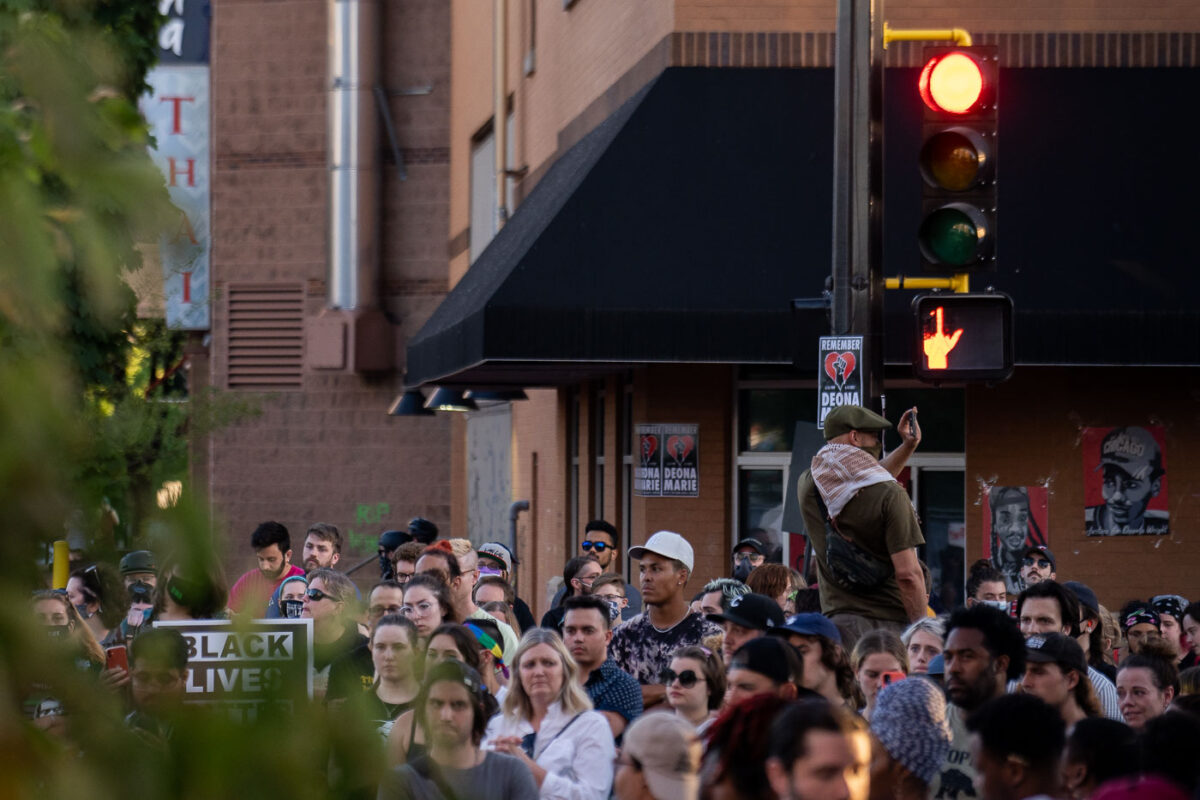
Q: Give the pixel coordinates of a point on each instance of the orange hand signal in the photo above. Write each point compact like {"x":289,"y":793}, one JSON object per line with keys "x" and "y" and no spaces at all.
{"x":938,"y":345}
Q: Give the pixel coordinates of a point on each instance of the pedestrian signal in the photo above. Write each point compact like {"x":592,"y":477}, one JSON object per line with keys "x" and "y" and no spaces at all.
{"x":962,"y":337}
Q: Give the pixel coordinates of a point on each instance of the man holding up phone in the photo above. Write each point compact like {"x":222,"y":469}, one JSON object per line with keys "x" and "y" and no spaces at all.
{"x":862,"y":524}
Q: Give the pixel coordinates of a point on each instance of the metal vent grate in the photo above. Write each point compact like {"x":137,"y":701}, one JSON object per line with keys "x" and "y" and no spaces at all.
{"x":266,"y":335}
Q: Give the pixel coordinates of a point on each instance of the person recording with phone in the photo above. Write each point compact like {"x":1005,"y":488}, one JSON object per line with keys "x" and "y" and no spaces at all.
{"x":879,"y":660}
{"x":862,"y":524}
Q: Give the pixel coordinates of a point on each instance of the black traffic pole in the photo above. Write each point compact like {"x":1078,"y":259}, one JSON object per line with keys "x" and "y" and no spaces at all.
{"x":857,"y":305}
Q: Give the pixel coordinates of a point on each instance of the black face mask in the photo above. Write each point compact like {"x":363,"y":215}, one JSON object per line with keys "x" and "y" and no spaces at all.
{"x":58,"y":633}
{"x":742,"y":570}
{"x":387,"y":570}
{"x":291,"y":608}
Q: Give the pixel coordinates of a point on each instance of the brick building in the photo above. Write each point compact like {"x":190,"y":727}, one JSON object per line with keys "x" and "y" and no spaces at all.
{"x":668,"y":168}
{"x":667,"y":184}
{"x":323,"y":448}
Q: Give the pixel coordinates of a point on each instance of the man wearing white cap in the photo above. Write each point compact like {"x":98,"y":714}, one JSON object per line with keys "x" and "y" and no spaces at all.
{"x":643,"y":645}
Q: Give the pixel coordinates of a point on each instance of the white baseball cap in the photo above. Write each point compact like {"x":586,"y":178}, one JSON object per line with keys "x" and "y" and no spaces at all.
{"x":667,"y":544}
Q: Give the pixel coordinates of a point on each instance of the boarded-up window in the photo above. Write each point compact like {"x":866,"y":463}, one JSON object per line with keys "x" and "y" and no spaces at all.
{"x":266,"y":335}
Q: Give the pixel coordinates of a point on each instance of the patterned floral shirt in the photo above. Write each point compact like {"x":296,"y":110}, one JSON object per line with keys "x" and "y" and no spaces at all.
{"x":644,"y":651}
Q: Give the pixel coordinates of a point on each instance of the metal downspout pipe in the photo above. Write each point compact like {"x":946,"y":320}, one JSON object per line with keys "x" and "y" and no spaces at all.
{"x":354,"y":168}
{"x":500,"y":110}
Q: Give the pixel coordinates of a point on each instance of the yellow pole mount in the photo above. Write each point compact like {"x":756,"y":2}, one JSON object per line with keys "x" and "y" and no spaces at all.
{"x":959,"y":284}
{"x":957,"y":35}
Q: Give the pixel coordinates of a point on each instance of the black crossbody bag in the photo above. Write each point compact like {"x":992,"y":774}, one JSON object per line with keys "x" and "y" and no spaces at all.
{"x":851,"y":566}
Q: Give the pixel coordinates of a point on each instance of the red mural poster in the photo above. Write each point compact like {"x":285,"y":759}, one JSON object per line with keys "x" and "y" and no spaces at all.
{"x":1014,"y":517}
{"x":1125,"y":481}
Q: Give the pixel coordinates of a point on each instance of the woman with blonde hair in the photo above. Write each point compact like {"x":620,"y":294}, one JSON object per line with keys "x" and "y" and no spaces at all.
{"x":548,"y":723}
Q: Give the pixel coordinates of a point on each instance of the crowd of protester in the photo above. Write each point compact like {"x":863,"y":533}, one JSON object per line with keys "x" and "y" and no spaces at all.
{"x":740,"y":688}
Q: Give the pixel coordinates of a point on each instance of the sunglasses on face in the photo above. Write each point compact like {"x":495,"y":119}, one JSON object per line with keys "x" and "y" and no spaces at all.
{"x":599,"y":547}
{"x":687,"y":679}
{"x":316,"y":594}
{"x":753,"y":558}
{"x":1029,"y":561}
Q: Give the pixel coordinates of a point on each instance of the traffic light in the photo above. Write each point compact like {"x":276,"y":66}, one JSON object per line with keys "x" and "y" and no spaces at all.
{"x":958,"y":159}
{"x":962,"y":337}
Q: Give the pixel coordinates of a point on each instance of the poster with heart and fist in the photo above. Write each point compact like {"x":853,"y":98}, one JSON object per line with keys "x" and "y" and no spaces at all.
{"x":839,"y":379}
{"x":668,"y":462}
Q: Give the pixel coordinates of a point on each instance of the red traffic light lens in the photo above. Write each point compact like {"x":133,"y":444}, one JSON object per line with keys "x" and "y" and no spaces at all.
{"x":952,"y":83}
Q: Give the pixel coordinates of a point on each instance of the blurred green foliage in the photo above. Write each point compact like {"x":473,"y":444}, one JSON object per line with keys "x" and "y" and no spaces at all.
{"x":89,"y":411}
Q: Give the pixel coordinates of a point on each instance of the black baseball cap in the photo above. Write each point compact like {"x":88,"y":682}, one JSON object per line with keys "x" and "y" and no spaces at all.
{"x":390,"y":540}
{"x":771,"y":657}
{"x":1056,"y":648}
{"x":1084,"y":594}
{"x":1041,"y":550}
{"x":751,"y":542}
{"x":755,"y":611}
{"x":422,"y":530}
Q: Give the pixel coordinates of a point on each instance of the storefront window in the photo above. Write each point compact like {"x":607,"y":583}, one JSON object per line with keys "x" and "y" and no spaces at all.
{"x":760,"y":504}
{"x":940,"y":504}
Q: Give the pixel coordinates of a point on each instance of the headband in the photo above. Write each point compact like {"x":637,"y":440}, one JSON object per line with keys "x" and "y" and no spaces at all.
{"x":1139,"y":617}
{"x":489,"y":644}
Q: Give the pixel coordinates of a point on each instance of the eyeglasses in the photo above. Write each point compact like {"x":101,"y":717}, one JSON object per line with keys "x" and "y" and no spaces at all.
{"x":402,"y":577}
{"x":379,"y":611}
{"x":687,"y":679}
{"x":317,"y":594}
{"x":1029,"y":561}
{"x":420,"y":609}
{"x":599,"y":547}
{"x":753,"y":558}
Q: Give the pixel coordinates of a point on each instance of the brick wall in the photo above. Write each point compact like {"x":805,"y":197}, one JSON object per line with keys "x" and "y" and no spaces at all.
{"x":540,"y":476}
{"x":700,"y":395}
{"x":327,"y":451}
{"x":1026,"y":432}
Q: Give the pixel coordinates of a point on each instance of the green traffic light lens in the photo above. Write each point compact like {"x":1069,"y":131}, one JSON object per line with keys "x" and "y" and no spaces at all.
{"x":952,"y":161}
{"x":949,"y":236}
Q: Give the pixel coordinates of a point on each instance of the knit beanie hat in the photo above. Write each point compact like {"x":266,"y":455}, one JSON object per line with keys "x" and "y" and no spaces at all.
{"x":910,"y":722}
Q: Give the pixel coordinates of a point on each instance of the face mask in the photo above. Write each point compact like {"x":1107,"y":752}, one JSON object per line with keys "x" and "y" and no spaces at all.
{"x":876,"y":450}
{"x":292,"y":608}
{"x":58,"y":633}
{"x":741,"y":571}
{"x":614,"y":609}
{"x":82,"y":609}
{"x":999,"y":605}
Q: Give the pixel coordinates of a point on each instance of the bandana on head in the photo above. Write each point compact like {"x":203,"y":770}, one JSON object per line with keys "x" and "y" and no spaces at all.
{"x":1139,"y":617}
{"x":1172,"y":604}
{"x":489,"y":644}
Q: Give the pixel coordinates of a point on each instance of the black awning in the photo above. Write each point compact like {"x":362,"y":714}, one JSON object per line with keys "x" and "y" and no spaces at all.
{"x":680,"y":229}
{"x":677,"y":231}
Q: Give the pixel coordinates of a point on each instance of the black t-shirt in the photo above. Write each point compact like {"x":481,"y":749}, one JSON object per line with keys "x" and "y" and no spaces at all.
{"x":553,"y":619}
{"x":351,"y":673}
{"x":524,"y":615}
